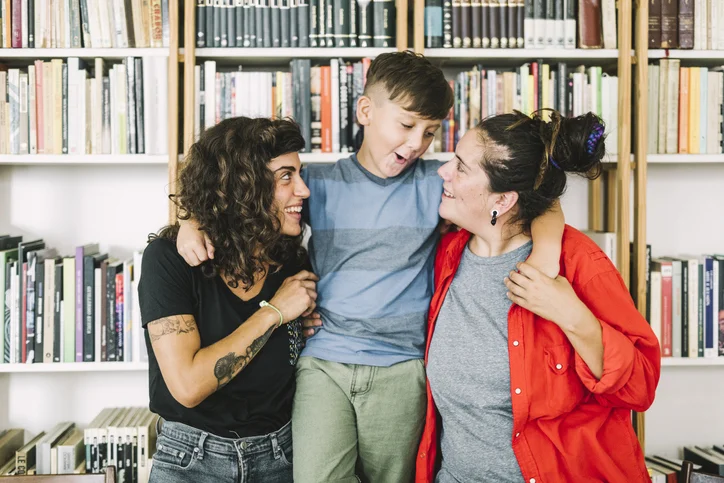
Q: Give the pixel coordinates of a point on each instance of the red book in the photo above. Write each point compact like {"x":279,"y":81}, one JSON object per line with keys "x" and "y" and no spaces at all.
{"x":326,"y":75}
{"x":17,"y":25}
{"x":667,"y":274}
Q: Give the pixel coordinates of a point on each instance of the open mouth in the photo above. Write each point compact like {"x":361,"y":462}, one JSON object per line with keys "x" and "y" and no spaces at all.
{"x":400,"y":159}
{"x":294,"y":211}
{"x":447,"y":194}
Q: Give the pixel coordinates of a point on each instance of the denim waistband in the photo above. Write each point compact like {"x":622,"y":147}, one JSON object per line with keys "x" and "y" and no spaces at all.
{"x":205,"y":441}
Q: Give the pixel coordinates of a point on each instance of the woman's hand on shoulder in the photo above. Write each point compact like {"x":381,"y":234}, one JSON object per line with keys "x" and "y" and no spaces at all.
{"x":193,"y":244}
{"x":550,"y":298}
{"x":297,"y":296}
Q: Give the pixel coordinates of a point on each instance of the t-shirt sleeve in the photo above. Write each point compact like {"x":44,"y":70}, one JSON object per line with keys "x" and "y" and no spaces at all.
{"x":166,"y":284}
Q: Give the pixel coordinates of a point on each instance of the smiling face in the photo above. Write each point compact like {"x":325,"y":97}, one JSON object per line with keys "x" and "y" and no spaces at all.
{"x":394,"y":138}
{"x":289,"y":192}
{"x":467,"y":200}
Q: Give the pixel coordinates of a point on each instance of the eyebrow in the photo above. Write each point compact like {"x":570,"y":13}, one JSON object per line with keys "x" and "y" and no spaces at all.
{"x":290,"y":168}
{"x":461,"y":160}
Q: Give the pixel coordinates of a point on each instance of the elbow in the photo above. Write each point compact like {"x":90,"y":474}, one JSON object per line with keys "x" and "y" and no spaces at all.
{"x":186,"y":396}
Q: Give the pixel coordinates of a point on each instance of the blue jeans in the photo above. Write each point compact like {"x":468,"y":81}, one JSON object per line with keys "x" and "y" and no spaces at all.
{"x":188,"y":455}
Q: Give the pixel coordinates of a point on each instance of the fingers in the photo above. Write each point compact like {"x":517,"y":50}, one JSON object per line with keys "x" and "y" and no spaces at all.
{"x":190,"y":257}
{"x":313,"y":319}
{"x":308,"y":284}
{"x":209,"y":246}
{"x":514,"y":288}
{"x":517,"y":300}
{"x":519,"y":279}
{"x":305,"y":275}
{"x":528,"y":270}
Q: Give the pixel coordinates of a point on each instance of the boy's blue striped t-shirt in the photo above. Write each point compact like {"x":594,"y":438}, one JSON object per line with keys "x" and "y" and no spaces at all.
{"x":373,"y":247}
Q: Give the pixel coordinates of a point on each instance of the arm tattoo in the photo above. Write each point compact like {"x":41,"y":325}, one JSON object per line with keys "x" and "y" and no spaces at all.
{"x":229,"y":365}
{"x":177,"y":324}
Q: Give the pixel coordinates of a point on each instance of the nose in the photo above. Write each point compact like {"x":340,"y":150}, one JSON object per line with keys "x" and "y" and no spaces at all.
{"x":300,"y":189}
{"x":445,"y":170}
{"x":415,"y":141}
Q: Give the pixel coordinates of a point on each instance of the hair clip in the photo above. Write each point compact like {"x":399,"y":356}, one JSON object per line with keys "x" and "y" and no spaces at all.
{"x":594,"y":138}
{"x":553,"y":162}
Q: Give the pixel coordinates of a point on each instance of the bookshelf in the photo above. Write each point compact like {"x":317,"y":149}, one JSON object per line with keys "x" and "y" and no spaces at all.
{"x":65,"y":159}
{"x":73,"y":367}
{"x":82,"y":53}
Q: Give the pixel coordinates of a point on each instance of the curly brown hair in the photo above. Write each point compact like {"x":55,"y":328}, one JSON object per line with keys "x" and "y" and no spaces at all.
{"x":227,"y":188}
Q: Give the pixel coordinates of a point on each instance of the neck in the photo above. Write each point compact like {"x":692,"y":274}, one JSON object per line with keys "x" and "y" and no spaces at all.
{"x":494,"y":241}
{"x":365,"y":159}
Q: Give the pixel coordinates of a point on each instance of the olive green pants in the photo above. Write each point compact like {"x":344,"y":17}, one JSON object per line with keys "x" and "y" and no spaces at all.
{"x":355,"y":423}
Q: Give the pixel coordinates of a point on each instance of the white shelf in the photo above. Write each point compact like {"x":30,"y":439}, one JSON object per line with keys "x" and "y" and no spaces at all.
{"x":684,"y":158}
{"x":282,"y":55}
{"x":610,"y":158}
{"x":471,"y":55}
{"x":32,"y":54}
{"x":694,"y":361}
{"x":686,"y":54}
{"x":69,"y":159}
{"x":75,"y":367}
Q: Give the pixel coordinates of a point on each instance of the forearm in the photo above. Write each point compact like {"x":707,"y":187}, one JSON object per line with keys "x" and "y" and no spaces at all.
{"x":212,"y":367}
{"x":547,"y":234}
{"x":585,"y":335}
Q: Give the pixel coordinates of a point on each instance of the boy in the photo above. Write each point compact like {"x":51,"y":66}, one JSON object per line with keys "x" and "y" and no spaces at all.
{"x":360,"y":399}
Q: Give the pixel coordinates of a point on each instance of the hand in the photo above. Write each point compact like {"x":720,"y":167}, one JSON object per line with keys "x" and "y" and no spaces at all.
{"x":550,"y":298}
{"x":193,"y":244}
{"x":548,"y":265}
{"x":297,"y":296}
{"x":310,"y":324}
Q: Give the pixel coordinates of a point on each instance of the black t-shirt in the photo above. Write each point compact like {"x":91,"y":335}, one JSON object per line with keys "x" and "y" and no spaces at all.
{"x":259,"y":399}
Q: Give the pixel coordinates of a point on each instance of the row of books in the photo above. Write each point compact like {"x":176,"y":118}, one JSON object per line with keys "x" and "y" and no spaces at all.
{"x":74,"y":107}
{"x":571,"y":91}
{"x":84,"y":23}
{"x":295,"y":23}
{"x":704,"y":459}
{"x":77,"y":308}
{"x":686,"y":24}
{"x":685,"y":109}
{"x":322,"y":99}
{"x":120,"y":437}
{"x":520,"y":23}
{"x":687,"y":305}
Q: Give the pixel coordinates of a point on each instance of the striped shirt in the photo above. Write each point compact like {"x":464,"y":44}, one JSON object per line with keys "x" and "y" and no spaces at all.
{"x":372,"y":245}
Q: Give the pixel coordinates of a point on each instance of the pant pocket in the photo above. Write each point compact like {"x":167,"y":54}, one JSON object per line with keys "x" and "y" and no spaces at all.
{"x":174,"y":453}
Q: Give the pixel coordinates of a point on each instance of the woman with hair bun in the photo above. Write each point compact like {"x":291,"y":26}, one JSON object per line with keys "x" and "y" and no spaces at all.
{"x":530,"y":379}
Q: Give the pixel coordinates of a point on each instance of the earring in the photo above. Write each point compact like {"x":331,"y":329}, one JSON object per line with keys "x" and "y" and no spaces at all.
{"x":495,"y":218}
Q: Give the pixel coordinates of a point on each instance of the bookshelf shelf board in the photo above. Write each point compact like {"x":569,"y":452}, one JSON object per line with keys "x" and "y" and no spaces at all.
{"x":75,"y":367}
{"x":696,"y":361}
{"x":276,"y":56}
{"x":461,"y":56}
{"x":610,"y":158}
{"x":32,"y":54}
{"x":69,"y":159}
{"x":684,"y":158}
{"x":686,"y":54}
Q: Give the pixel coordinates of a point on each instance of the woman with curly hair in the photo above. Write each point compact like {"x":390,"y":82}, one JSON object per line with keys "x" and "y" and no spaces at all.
{"x":221,"y":360}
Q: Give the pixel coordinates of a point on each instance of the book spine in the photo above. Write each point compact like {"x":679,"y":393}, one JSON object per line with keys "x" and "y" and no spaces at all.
{"x":686,"y":24}
{"x":529,"y":24}
{"x":258,"y":27}
{"x":569,"y":23}
{"x":305,"y":17}
{"x":110,"y":306}
{"x":58,"y":313}
{"x":366,"y":25}
{"x":266,"y":18}
{"x":503,"y":22}
{"x":329,"y":23}
{"x":476,"y":29}
{"x":485,"y":23}
{"x":138,"y":84}
{"x":314,"y":23}
{"x":341,"y":23}
{"x":559,"y":29}
{"x":88,"y":300}
{"x":230,"y":23}
{"x":209,"y":16}
{"x":220,"y":23}
{"x":512,"y":24}
{"x":131,"y":105}
{"x":293,"y":23}
{"x":669,"y":24}
{"x":200,"y":23}
{"x":31,"y":24}
{"x":239,"y":22}
{"x":457,"y":24}
{"x":276,"y":22}
{"x":344,"y":142}
{"x":447,"y":23}
{"x":39,"y":316}
{"x":589,"y":24}
{"x":466,"y":31}
{"x":494,"y":18}
{"x":352,"y":6}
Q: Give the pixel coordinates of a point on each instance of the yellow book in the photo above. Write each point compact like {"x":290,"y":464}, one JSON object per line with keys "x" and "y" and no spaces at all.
{"x":546,"y":94}
{"x":694,"y":109}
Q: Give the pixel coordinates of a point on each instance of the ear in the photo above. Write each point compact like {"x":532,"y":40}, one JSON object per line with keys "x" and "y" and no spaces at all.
{"x":505,"y":202}
{"x":364,"y":110}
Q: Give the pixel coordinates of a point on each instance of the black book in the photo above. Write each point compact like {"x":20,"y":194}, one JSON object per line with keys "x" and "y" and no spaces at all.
{"x":8,"y":242}
{"x":322,"y":23}
{"x":520,"y":23}
{"x":384,"y":25}
{"x":465,"y":22}
{"x":477,"y":31}
{"x":36,"y":263}
{"x":365,"y":22}
{"x":304,"y":17}
{"x":457,"y":24}
{"x":433,"y":23}
{"x":230,"y":23}
{"x":64,"y":108}
{"x":503,"y":14}
{"x":209,"y":31}
{"x":485,"y":22}
{"x":286,"y":35}
{"x":57,"y":299}
{"x":293,"y":23}
{"x":494,"y":17}
{"x":239,"y":21}
{"x":31,"y":25}
{"x":512,"y":24}
{"x":266,"y":18}
{"x":447,"y":23}
{"x":341,"y":22}
{"x":23,"y":249}
{"x":329,"y":28}
{"x":276,"y":22}
{"x":200,"y":23}
{"x":140,"y":138}
{"x":9,"y":272}
{"x":258,"y":23}
{"x":220,"y":23}
{"x":90,"y":263}
{"x":313,"y":23}
{"x":352,"y":36}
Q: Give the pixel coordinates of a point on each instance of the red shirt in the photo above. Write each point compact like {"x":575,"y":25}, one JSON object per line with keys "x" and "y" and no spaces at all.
{"x":568,"y":426}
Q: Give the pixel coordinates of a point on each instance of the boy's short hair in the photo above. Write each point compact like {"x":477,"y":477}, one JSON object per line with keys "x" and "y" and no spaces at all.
{"x":412,"y":79}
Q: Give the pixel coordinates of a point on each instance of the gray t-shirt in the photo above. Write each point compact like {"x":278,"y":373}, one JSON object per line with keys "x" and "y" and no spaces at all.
{"x":469,"y":372}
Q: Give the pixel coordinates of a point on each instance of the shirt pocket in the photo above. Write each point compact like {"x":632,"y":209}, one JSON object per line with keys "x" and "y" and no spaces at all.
{"x":564,"y":390}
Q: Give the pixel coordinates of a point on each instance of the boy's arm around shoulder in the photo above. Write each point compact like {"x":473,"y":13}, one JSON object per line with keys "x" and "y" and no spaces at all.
{"x":547,"y":234}
{"x":193,"y":244}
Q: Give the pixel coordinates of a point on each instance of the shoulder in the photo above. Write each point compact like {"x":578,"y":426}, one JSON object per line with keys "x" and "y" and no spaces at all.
{"x":582,"y":258}
{"x":427,"y":169}
{"x":161,"y":253}
{"x":321,"y":171}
